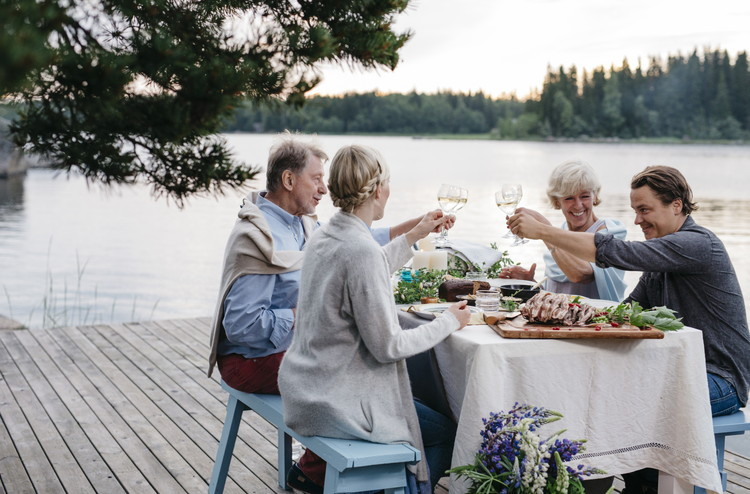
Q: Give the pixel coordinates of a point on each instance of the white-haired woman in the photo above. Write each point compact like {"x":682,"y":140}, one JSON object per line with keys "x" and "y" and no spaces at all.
{"x":344,"y":374}
{"x":574,"y":189}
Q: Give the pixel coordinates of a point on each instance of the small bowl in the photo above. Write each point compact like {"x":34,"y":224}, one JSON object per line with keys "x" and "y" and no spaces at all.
{"x":519,"y":291}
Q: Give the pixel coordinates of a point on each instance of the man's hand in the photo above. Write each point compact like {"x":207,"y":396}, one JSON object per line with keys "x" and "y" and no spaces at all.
{"x":525,"y":224}
{"x":430,"y":222}
{"x":518,"y":273}
{"x":450,"y":220}
{"x":534,"y":214}
{"x":462,"y":313}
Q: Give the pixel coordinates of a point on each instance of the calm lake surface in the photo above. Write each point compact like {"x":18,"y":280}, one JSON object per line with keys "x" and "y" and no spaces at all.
{"x":71,"y":254}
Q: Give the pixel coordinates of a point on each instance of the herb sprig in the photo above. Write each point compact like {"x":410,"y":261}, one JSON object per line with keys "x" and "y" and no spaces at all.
{"x":422,"y":283}
{"x":661,"y":318}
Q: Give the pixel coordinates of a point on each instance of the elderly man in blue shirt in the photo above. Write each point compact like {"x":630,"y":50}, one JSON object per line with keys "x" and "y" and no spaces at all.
{"x":255,"y":315}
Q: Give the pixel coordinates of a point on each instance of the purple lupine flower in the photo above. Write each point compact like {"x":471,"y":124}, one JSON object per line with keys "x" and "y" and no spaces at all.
{"x":519,"y":460}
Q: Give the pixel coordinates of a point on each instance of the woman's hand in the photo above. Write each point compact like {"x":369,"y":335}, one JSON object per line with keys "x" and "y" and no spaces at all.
{"x":518,"y":273}
{"x":430,"y":222}
{"x":462,"y":313}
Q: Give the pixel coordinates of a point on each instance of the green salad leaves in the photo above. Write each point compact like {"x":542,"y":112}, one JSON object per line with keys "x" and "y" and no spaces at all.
{"x":661,"y":318}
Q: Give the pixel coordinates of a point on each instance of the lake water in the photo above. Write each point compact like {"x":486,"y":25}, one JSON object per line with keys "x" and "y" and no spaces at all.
{"x":74,"y":254}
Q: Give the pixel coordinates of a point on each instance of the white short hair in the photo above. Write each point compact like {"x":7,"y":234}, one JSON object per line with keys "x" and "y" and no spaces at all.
{"x":571,"y":178}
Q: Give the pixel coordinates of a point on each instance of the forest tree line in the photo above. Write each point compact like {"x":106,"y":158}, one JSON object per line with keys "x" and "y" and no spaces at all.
{"x":700,"y":96}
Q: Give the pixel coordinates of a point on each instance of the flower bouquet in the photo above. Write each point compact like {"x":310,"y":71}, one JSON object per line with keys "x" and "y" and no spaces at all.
{"x":515,"y":459}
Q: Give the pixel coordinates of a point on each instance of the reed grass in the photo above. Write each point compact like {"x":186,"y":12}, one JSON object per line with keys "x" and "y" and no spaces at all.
{"x":64,"y":306}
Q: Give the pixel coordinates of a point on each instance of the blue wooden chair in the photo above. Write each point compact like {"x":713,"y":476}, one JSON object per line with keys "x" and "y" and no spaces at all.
{"x":727,"y":425}
{"x":351,"y":466}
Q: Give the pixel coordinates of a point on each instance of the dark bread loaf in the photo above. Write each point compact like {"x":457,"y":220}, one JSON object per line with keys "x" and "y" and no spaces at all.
{"x":449,"y":289}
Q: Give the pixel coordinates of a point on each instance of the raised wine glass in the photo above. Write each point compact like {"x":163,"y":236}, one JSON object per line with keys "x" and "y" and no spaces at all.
{"x":451,"y":198}
{"x":507,"y":199}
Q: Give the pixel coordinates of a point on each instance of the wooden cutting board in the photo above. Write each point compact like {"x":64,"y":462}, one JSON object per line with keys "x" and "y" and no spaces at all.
{"x":531,"y":330}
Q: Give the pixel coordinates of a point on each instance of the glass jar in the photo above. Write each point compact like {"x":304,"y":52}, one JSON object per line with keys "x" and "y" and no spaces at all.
{"x":488,"y":300}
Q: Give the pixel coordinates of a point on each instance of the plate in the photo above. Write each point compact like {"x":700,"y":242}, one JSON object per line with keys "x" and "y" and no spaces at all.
{"x":431,"y":311}
{"x":498,"y":282}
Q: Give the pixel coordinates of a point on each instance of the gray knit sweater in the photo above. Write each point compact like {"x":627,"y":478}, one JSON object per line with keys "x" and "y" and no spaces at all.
{"x":344,"y":374}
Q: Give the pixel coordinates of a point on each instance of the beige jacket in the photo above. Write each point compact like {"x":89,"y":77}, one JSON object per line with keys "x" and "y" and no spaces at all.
{"x":250,"y":251}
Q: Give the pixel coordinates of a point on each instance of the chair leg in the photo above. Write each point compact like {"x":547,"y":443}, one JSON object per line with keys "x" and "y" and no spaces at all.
{"x":331,"y":481}
{"x":720,"y":445}
{"x":226,"y":445}
{"x":285,"y":456}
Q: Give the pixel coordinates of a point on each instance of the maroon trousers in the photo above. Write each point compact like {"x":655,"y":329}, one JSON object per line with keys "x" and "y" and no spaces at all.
{"x":260,"y":375}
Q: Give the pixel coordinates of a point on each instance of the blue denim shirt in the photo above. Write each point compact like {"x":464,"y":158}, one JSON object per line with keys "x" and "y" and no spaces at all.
{"x":258,"y":317}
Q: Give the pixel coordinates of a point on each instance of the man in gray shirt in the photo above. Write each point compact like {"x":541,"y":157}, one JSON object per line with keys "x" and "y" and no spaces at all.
{"x":685,"y":267}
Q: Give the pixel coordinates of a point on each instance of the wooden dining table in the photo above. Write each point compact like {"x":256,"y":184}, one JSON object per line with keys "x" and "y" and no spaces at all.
{"x":638,"y":402}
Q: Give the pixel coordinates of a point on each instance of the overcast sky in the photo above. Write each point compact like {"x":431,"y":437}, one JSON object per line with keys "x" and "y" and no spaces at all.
{"x":504,"y":46}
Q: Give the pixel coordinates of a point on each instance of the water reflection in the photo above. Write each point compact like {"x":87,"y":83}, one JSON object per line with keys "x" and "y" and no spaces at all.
{"x":122,"y":255}
{"x":11,"y":211}
{"x":11,"y":193}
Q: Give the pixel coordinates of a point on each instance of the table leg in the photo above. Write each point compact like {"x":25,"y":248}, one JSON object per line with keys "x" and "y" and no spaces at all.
{"x":672,"y":485}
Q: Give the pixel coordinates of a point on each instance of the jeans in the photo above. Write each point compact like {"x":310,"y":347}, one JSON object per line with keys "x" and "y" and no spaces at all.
{"x":723,"y":396}
{"x":438,"y":433}
{"x":724,"y":400}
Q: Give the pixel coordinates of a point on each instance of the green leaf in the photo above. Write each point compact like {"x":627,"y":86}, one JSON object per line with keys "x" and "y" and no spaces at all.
{"x":665,"y":324}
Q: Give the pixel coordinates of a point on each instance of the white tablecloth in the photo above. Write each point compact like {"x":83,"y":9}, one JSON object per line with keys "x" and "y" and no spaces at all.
{"x":639,"y":403}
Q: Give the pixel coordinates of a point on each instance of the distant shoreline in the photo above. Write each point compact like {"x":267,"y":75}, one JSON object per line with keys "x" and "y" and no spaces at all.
{"x":489,"y":137}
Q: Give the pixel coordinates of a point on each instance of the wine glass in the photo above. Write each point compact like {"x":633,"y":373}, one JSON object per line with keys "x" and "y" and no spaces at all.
{"x":451,"y":198}
{"x":507,"y":199}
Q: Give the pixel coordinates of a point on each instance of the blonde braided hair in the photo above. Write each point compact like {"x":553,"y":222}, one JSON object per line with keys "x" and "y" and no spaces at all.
{"x":356,"y":171}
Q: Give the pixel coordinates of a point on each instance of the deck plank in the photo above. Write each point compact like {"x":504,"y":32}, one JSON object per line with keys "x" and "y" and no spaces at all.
{"x":194,"y":380}
{"x":131,"y":429}
{"x":12,"y":471}
{"x":255,"y":436}
{"x":74,"y":458}
{"x":129,"y":408}
{"x":20,"y":428}
{"x":738,"y":472}
{"x":155,"y":426}
{"x":185,"y":406}
{"x":252,"y":419}
{"x":69,"y":384}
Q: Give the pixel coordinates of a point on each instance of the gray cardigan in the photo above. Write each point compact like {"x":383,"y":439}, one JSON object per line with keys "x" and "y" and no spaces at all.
{"x":690,"y":271}
{"x":344,"y":374}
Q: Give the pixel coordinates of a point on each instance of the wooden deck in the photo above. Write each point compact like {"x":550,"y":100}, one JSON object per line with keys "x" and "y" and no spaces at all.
{"x":128,"y":408}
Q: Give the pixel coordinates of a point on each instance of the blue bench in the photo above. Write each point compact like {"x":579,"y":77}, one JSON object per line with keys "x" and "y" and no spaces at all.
{"x":351,"y":466}
{"x":727,"y":425}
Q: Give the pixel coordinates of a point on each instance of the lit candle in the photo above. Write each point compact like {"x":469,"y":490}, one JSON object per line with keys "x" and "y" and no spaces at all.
{"x":426,"y":244}
{"x":438,"y":259}
{"x":421,"y":260}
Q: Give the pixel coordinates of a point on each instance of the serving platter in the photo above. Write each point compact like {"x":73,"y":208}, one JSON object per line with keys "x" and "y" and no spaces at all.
{"x":515,"y":329}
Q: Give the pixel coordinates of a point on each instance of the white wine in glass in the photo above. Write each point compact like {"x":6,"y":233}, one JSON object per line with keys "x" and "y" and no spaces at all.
{"x":507,"y":199}
{"x":451,"y":198}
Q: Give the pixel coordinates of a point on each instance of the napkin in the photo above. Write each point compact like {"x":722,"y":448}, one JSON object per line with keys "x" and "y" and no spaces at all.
{"x":477,"y":318}
{"x":478,"y":254}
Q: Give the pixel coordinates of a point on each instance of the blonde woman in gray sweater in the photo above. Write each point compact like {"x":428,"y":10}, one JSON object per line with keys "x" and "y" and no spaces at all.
{"x":344,"y":374}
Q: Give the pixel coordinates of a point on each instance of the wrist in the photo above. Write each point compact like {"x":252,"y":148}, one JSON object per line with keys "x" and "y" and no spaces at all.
{"x":413,"y":236}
